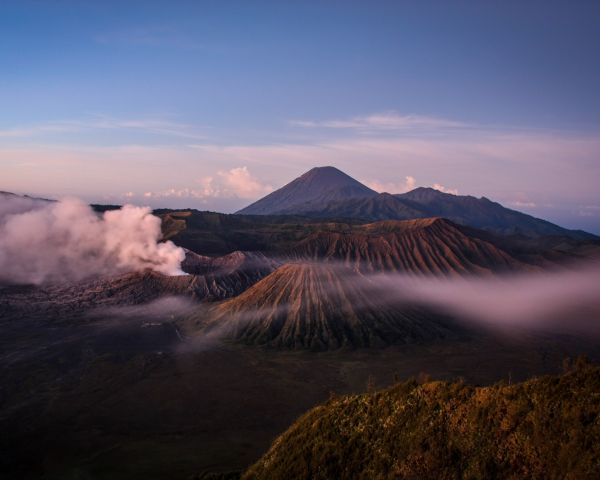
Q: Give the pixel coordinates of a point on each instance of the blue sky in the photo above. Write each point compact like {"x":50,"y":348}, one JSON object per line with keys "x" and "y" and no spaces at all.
{"x":213,"y":104}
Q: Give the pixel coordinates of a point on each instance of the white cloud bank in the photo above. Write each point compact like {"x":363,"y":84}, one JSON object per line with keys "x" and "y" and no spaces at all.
{"x":441,"y":188}
{"x":234,"y":183}
{"x":393,"y":187}
{"x":410,"y":183}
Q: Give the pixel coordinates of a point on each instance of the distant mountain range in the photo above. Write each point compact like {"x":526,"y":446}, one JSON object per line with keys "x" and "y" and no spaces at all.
{"x":326,"y":192}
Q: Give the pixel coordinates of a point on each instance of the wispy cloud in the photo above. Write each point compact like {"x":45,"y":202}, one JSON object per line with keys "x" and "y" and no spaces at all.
{"x":148,"y":125}
{"x":149,"y":36}
{"x":385,"y":121}
{"x":589,"y":211}
{"x":522,"y":204}
{"x":151,"y":126}
{"x":35,"y":130}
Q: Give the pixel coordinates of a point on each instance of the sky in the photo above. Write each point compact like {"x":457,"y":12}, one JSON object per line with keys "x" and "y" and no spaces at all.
{"x":213,"y":104}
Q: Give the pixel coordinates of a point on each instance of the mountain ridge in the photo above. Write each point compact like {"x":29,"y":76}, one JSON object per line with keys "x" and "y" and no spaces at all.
{"x":328,"y":193}
{"x":483,"y":213}
{"x":421,"y":246}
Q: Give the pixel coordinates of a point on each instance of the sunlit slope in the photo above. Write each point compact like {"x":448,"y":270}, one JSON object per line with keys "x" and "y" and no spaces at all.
{"x":545,"y":428}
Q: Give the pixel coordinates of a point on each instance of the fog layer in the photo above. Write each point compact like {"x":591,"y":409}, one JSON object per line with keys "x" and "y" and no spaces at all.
{"x":557,"y":301}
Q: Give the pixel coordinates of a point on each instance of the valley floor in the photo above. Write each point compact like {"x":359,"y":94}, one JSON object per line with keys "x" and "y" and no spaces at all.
{"x":133,"y":400}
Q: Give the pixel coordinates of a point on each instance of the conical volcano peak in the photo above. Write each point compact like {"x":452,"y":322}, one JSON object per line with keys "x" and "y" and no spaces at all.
{"x":320,"y":307}
{"x":328,"y":174}
{"x":311,"y":191}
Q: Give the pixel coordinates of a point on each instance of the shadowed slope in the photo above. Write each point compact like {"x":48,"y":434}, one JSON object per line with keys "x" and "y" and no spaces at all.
{"x":429,"y":246}
{"x":485,"y":214}
{"x":543,"y":428}
{"x":217,"y":279}
{"x":66,"y":301}
{"x":219,"y":234}
{"x":308,"y":306}
{"x":253,"y":264}
{"x":382,"y":206}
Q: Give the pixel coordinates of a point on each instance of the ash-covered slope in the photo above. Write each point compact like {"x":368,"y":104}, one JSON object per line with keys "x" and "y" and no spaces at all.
{"x":217,"y":279}
{"x":254,"y":264}
{"x":424,"y":246}
{"x":319,"y":307}
{"x":64,"y":301}
{"x":317,"y":187}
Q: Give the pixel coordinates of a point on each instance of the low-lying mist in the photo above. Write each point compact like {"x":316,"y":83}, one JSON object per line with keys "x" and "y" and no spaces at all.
{"x":165,"y":308}
{"x":67,"y":241}
{"x":565,"y":301}
{"x":553,"y":302}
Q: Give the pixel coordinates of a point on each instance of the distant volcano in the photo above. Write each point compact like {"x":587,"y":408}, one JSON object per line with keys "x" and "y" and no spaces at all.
{"x":328,"y":193}
{"x":317,"y":187}
{"x":320,"y":307}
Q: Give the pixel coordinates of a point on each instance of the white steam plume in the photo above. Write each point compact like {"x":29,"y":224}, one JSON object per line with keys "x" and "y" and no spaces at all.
{"x":68,"y":241}
{"x":11,"y":204}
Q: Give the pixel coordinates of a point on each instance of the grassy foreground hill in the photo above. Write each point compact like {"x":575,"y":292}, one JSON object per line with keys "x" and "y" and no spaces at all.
{"x":544,"y":428}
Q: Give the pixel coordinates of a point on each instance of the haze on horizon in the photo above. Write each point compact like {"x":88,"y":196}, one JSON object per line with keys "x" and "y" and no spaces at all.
{"x":211,"y":105}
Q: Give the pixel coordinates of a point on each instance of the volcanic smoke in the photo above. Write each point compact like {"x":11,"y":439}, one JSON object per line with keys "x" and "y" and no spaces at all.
{"x":43,"y":242}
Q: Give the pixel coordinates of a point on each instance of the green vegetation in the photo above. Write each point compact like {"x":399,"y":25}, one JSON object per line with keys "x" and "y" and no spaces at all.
{"x":547,"y":427}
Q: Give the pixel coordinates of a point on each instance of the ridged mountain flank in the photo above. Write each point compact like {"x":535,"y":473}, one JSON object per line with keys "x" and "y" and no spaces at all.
{"x":320,"y":307}
{"x":422,"y":246}
{"x":317,"y":187}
